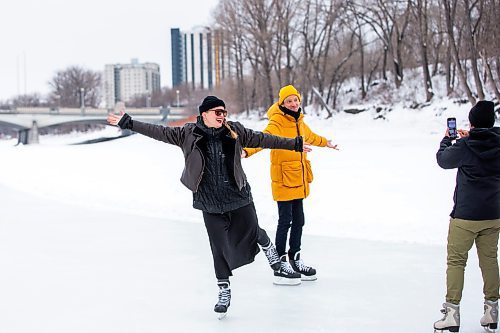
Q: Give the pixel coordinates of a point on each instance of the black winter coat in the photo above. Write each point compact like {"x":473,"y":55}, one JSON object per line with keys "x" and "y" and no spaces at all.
{"x":188,"y":136}
{"x":218,"y":192}
{"x":477,"y":157}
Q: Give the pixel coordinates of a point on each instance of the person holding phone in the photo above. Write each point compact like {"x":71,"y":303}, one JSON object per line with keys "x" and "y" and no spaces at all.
{"x":475,"y":217}
{"x":291,"y":174}
{"x":213,"y":172}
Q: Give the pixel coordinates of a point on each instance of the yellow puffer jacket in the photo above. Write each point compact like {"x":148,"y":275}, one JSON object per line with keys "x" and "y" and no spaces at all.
{"x":291,"y":171}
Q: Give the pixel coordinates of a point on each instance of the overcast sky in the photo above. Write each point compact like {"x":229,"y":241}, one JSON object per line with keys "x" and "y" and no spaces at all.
{"x":46,"y":36}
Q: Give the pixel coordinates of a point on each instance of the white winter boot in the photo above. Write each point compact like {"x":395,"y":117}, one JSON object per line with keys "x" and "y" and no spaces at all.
{"x":490,"y":318}
{"x":451,"y":319}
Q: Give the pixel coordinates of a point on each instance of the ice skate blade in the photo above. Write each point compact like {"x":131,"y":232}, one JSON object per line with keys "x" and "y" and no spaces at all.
{"x":221,"y":315}
{"x":308,"y":278}
{"x":450,"y":329}
{"x":282,"y":281}
{"x":490,"y":328}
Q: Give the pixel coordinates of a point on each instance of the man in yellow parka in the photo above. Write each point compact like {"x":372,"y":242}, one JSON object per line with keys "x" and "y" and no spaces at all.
{"x":290,"y":175}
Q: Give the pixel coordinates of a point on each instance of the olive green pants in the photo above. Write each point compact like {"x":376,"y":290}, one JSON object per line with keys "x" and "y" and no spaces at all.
{"x":461,"y":237}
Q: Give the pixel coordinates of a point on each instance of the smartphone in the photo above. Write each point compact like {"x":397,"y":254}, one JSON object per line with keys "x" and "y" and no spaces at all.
{"x":451,"y":123}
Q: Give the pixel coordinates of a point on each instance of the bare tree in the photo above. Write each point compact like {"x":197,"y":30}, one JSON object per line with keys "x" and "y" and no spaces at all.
{"x":337,"y":69}
{"x":163,"y":97}
{"x":260,"y":21}
{"x":472,"y":14}
{"x":389,"y":20}
{"x":450,"y":11}
{"x":70,"y":85}
{"x":437,"y":32}
{"x":489,"y":75}
{"x":228,"y":17}
{"x":420,"y":13}
{"x":29,"y":100}
{"x":320,"y":18}
{"x":358,"y":29}
{"x":285,"y":37}
{"x":487,"y":31}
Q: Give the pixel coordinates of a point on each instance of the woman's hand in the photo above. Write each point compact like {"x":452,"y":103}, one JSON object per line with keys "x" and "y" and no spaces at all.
{"x":307,"y":148}
{"x":243,"y":153}
{"x":114,"y":119}
{"x":330,"y":144}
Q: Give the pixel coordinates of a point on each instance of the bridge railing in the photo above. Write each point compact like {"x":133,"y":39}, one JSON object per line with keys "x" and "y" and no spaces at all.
{"x":173,"y":110}
{"x":85,"y":111}
{"x":28,"y":120}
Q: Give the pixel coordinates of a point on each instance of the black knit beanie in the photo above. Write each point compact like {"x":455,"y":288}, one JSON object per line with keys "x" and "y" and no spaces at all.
{"x":482,"y":115}
{"x":210,"y":102}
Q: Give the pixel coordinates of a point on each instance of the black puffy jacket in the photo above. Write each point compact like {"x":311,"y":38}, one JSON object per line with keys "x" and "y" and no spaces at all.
{"x":218,"y":192}
{"x":477,"y":157}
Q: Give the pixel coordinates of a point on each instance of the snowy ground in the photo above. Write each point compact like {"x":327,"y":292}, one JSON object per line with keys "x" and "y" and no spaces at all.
{"x":102,"y":237}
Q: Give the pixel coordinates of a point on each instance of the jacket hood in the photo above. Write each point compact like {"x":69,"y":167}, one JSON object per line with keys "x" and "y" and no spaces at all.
{"x":484,"y":142}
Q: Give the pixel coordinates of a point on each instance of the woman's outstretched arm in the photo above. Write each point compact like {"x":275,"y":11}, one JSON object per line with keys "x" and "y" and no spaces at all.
{"x":172,"y":135}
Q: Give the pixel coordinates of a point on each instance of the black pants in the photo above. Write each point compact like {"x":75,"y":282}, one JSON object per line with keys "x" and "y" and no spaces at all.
{"x":233,"y":239}
{"x":291,"y":216}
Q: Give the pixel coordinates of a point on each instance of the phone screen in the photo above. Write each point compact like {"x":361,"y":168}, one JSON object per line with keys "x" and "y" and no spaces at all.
{"x":452,"y":127}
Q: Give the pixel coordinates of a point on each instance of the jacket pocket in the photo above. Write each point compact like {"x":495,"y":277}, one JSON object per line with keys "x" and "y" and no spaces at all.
{"x":292,"y":173}
{"x":309,"y":172}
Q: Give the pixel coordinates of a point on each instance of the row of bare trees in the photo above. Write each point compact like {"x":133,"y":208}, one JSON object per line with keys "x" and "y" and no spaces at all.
{"x":76,"y":86}
{"x":70,"y":88}
{"x":319,"y":44}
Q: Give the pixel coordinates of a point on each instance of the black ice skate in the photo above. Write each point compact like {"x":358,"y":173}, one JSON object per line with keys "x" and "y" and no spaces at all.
{"x":285,"y":275}
{"x":272,"y":256}
{"x":224,"y":299}
{"x":307,"y":273}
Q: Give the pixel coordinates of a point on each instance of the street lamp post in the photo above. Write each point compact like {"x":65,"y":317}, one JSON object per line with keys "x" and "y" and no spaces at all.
{"x":177,"y":92}
{"x":82,"y":100}
{"x":58,"y":101}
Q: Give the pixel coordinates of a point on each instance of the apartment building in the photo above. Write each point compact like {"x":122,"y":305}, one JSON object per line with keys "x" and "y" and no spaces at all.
{"x":122,"y":82}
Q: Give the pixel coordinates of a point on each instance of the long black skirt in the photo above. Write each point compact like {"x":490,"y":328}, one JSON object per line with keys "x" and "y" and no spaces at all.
{"x":234,"y":238}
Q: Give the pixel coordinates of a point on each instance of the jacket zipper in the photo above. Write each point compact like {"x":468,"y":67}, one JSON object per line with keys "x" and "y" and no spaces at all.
{"x":202,"y":167}
{"x":301,"y":158}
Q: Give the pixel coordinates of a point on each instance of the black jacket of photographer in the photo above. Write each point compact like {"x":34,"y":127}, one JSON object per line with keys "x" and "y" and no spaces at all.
{"x":477,"y":157}
{"x":212,"y":155}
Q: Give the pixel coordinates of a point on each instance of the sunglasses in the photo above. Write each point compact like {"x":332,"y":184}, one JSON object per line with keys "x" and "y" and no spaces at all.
{"x":220,"y":112}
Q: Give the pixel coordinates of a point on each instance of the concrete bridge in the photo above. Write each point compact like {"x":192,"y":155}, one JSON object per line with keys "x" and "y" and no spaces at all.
{"x":28,"y":121}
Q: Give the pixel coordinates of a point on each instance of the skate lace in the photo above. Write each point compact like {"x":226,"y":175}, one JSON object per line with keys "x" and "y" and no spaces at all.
{"x":301,"y":266}
{"x":224,"y":296}
{"x":286,"y":267}
{"x":271,"y":254}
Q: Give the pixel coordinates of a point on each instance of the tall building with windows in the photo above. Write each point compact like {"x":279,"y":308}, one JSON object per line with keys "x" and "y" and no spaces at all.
{"x":198,"y":58}
{"x":122,"y":82}
{"x":178,"y":65}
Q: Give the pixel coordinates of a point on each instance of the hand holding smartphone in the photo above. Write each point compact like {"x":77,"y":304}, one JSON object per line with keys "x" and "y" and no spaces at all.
{"x":451,"y":123}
